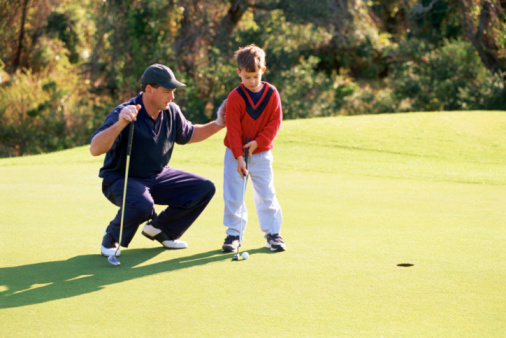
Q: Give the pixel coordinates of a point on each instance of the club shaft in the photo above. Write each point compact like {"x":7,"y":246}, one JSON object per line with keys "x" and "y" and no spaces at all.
{"x":245,"y":179}
{"x":127,"y":166}
{"x":124,"y":201}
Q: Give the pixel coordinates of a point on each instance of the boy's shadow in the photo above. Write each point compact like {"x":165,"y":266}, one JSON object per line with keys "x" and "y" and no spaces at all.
{"x":43,"y":282}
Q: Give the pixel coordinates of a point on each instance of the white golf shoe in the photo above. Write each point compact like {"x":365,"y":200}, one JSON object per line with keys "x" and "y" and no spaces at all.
{"x":154,"y":233}
{"x":109,"y":245}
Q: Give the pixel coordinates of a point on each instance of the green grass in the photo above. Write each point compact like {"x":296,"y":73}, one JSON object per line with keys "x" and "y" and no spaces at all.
{"x":359,"y":196}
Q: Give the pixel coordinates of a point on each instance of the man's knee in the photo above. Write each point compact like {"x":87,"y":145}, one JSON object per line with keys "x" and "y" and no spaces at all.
{"x":207,"y":189}
{"x":211,"y":188}
{"x":142,"y":208}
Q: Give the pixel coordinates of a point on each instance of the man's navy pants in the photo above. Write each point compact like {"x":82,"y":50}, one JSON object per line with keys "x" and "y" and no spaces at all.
{"x":185,"y":194}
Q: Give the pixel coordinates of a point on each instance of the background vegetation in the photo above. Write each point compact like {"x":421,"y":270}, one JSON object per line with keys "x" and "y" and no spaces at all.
{"x":64,"y":64}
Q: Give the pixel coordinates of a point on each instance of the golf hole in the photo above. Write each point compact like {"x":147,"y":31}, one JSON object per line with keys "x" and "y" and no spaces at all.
{"x":405,"y":265}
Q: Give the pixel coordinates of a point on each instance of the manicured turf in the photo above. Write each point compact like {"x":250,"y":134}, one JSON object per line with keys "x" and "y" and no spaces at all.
{"x":360,"y":195}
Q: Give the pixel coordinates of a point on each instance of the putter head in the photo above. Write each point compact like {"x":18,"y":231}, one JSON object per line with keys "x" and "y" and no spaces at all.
{"x":236,"y":257}
{"x":113,"y":260}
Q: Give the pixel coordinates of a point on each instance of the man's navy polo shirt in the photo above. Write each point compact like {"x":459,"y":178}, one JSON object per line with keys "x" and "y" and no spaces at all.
{"x":152,"y":144}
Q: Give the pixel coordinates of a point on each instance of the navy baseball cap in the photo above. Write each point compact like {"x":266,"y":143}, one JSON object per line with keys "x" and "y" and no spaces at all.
{"x":161,"y":75}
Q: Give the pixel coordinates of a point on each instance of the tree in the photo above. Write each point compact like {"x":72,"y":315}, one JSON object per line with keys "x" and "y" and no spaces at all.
{"x":10,"y":20}
{"x":485,"y":26}
{"x":17,"y":58}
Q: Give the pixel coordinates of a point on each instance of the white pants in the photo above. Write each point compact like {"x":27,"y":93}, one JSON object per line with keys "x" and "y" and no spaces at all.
{"x":264,"y":194}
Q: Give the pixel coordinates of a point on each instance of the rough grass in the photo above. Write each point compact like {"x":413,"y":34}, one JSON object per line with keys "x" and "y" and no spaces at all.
{"x":359,"y":196}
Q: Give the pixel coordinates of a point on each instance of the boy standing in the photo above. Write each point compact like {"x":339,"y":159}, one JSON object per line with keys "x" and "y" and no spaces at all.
{"x":253,"y":112}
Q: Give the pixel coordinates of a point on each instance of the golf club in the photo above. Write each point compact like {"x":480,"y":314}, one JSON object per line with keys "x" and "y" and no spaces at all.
{"x":113,"y":259}
{"x":245,"y":179}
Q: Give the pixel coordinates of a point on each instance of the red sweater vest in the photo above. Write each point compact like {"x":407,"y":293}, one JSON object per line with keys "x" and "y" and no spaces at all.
{"x":260,"y":122}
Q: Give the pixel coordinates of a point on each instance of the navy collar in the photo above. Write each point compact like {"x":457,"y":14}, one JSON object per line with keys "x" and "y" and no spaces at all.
{"x":143,"y":112}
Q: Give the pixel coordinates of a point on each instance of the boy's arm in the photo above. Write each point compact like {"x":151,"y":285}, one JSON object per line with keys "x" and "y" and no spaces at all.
{"x":269,"y":132}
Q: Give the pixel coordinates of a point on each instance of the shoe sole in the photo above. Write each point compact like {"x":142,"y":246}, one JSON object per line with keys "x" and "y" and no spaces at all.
{"x":161,"y":240}
{"x":101,"y":254}
{"x":227,"y":249}
{"x":147,"y":235}
{"x":275,"y":247}
{"x":104,"y":255}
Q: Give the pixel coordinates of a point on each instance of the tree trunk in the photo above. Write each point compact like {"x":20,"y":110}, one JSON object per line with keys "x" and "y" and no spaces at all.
{"x":484,"y":37}
{"x":17,"y":58}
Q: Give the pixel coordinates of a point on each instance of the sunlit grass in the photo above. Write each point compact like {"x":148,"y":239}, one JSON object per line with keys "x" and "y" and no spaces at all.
{"x":359,"y":196}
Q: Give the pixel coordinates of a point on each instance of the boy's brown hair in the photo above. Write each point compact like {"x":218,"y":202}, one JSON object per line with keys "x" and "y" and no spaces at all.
{"x":250,"y":58}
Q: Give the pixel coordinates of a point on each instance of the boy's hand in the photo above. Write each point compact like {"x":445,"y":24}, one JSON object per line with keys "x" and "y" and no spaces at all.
{"x":241,"y":167}
{"x":252,"y":146}
{"x":220,"y":114}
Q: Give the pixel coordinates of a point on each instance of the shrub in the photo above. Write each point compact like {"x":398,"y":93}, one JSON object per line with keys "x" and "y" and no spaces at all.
{"x":369,"y":100}
{"x":41,"y":113}
{"x":448,"y":78}
{"x":308,"y":93}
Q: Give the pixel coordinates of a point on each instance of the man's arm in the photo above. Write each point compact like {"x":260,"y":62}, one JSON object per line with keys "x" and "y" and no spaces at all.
{"x":202,"y":132}
{"x":103,"y":141}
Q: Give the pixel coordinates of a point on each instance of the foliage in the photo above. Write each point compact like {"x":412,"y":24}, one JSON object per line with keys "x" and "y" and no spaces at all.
{"x":40,"y":113}
{"x":446,"y":78}
{"x":69,"y":24}
{"x":440,"y":23}
{"x":130,"y":35}
{"x":3,"y":74}
{"x":368,"y":99}
{"x":307,"y":93}
{"x":64,"y":64}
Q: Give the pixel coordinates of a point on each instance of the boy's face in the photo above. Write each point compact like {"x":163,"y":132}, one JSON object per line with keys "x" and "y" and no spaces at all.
{"x":251,"y":80}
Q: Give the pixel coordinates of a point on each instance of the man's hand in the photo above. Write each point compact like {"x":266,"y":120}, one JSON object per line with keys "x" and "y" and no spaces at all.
{"x":103,"y":141}
{"x":129,"y":114}
{"x":221,"y":120}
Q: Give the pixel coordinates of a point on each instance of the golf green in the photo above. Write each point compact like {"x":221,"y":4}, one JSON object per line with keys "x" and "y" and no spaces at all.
{"x":360,"y":196}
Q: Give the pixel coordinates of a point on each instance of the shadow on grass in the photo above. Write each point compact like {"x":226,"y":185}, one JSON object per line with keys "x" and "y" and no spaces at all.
{"x":47,"y":281}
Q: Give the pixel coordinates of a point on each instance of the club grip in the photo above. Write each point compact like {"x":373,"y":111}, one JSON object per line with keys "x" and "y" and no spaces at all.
{"x":246,"y":151}
{"x":130,"y":138}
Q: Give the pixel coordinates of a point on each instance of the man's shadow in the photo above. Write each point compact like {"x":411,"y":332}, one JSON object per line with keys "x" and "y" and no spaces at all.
{"x":43,"y":282}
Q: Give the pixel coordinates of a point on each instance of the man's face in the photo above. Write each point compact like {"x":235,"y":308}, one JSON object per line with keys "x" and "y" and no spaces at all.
{"x":251,"y":80}
{"x":161,"y":97}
